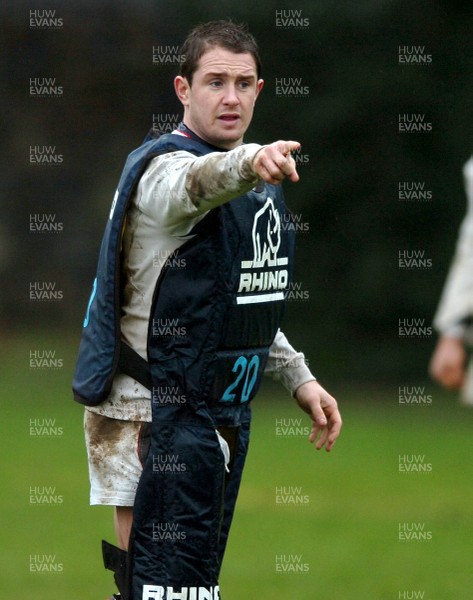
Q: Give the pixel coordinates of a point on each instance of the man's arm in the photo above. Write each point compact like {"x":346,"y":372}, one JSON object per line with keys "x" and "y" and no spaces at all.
{"x":448,"y":363}
{"x":456,"y":302}
{"x":180,"y":187}
{"x":287,"y":365}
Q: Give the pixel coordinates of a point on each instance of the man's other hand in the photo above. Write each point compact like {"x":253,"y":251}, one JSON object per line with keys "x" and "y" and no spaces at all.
{"x":323,"y":410}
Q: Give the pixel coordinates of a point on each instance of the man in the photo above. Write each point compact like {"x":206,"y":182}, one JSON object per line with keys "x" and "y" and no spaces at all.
{"x":454,"y":314}
{"x":204,"y":268}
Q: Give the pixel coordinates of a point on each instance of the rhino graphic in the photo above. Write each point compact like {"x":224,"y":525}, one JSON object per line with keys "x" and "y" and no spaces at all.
{"x":266,"y":235}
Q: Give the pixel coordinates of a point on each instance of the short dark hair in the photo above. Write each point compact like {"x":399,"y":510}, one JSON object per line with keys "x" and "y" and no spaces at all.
{"x":223,"y":33}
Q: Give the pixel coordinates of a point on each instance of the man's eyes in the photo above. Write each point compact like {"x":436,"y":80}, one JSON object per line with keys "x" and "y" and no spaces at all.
{"x":241,"y":84}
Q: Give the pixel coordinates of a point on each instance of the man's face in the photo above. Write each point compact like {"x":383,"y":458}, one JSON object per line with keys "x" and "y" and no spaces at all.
{"x":218,"y":107}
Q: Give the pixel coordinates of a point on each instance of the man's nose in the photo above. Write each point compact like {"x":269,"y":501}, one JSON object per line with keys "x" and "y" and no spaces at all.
{"x":231,"y":97}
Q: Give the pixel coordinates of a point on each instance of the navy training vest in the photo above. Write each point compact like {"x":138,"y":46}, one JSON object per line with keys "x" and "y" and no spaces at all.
{"x":217,"y":304}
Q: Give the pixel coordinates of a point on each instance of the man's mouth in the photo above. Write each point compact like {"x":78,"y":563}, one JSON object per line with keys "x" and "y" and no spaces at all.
{"x":229,"y":118}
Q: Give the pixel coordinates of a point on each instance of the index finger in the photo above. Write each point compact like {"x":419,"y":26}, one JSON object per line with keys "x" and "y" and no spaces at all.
{"x":290,"y":146}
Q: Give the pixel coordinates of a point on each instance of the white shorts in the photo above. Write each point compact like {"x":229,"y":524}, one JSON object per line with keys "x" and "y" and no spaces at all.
{"x":113,"y":448}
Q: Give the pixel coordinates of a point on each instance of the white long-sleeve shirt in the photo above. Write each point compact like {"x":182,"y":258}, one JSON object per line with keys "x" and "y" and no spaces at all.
{"x":175,"y":192}
{"x":456,"y":302}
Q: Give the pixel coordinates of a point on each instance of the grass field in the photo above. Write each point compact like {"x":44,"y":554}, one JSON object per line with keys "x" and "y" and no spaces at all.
{"x":332,"y":531}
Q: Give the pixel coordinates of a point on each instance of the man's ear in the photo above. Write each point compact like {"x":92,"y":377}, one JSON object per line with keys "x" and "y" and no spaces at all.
{"x":182,"y":87}
{"x":259,"y":87}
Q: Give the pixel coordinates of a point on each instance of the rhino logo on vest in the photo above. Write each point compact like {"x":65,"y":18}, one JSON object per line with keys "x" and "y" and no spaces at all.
{"x":259,"y":274}
{"x":266,"y":235}
{"x":157,"y":592}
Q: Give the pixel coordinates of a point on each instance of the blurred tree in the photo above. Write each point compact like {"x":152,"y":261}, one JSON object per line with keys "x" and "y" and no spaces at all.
{"x":353,"y":156}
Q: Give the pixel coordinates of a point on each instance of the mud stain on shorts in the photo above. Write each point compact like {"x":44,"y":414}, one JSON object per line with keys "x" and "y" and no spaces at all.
{"x":111,"y":447}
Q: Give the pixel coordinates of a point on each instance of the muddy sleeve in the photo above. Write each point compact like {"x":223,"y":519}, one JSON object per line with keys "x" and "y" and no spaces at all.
{"x":179,"y":188}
